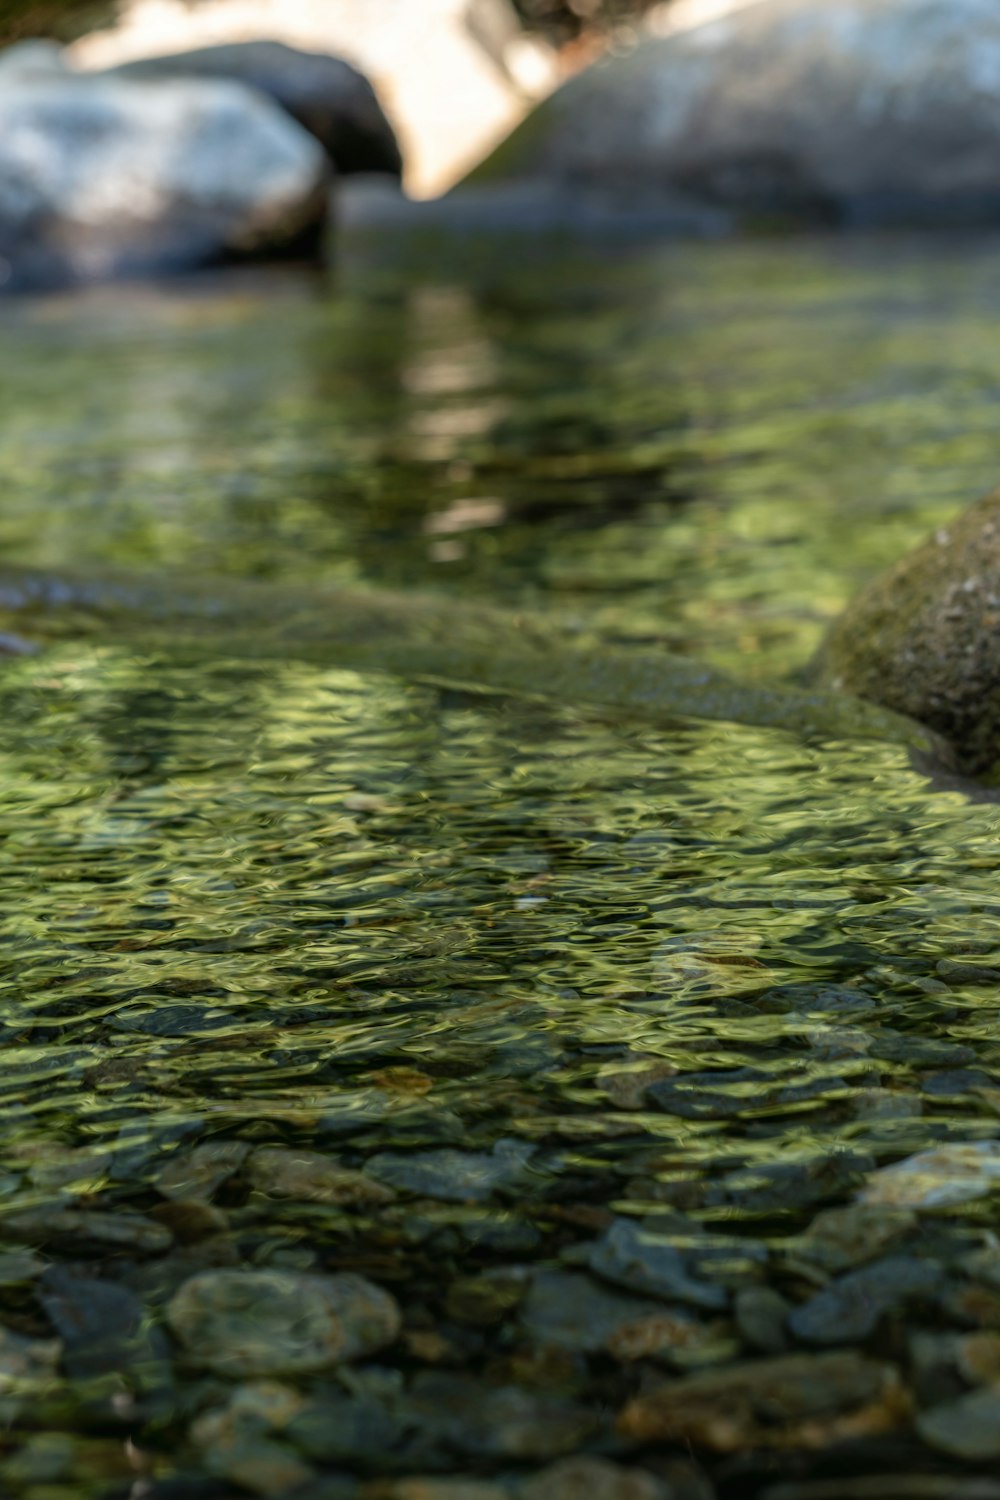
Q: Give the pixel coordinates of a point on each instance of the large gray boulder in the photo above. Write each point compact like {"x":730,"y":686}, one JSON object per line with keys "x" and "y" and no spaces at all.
{"x":329,"y":98}
{"x":101,"y":178}
{"x":839,"y":110}
{"x":924,"y":639}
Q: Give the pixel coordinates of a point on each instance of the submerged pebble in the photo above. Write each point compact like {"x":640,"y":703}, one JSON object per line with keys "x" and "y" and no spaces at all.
{"x":852,"y":1306}
{"x":313,"y":1178}
{"x":947,"y":1175}
{"x":455,"y":1176}
{"x":499,"y":1422}
{"x":243,"y":1323}
{"x":790,"y":1401}
{"x":105,"y":1329}
{"x":647,"y":1262}
{"x":968,"y":1428}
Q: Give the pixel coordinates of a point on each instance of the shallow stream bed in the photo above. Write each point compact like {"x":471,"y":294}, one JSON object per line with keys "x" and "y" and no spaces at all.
{"x":410,"y":1095}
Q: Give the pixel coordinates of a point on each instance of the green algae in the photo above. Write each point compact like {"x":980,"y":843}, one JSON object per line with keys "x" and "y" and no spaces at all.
{"x":923,"y":638}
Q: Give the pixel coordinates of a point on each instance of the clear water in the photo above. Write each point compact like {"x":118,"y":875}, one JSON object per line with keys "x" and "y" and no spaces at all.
{"x":296,"y":906}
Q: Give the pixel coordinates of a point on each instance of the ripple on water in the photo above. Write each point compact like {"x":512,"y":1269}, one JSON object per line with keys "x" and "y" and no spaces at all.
{"x":589,"y":1048}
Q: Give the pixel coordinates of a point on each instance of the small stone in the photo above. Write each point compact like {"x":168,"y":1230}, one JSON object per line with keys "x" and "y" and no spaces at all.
{"x":760,"y":1314}
{"x":983,"y":1265}
{"x":841,"y":1238}
{"x":74,"y":1228}
{"x":482,"y":1301}
{"x":820,"y":999}
{"x":455,"y":1176}
{"x":191,"y":1221}
{"x":978,"y":1358}
{"x":26,"y":1361}
{"x":774,"y":1186}
{"x":431,"y":1347}
{"x":105,"y":1330}
{"x":792,"y":1401}
{"x":244,"y":1323}
{"x":851,"y":1307}
{"x":235,"y":1445}
{"x":956,"y":1083}
{"x":958,"y":971}
{"x":646,"y":1262}
{"x":969,"y":1303}
{"x":200,"y":1172}
{"x":968,"y":1428}
{"x":344,"y":1429}
{"x":498,"y":1422}
{"x":567,"y":1310}
{"x":886,"y":1104}
{"x":920,"y":1051}
{"x":626,"y":1080}
{"x":312,"y":1177}
{"x":954,"y":1173}
{"x":585,"y":1478}
{"x":674,"y":1338}
{"x":737,"y":1092}
{"x":17,"y":1266}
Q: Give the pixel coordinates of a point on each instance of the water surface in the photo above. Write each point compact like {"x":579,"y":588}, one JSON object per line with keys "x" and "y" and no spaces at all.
{"x":700,"y":980}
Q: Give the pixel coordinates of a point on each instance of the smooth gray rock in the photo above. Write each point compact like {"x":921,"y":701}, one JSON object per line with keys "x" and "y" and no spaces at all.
{"x":967,"y":1428}
{"x":245,"y":1323}
{"x":850,"y":1308}
{"x":104,"y":1329}
{"x":566,"y":1310}
{"x":329,"y":98}
{"x":645,"y":1262}
{"x":456,"y":1176}
{"x":865,"y":111}
{"x":102,"y":178}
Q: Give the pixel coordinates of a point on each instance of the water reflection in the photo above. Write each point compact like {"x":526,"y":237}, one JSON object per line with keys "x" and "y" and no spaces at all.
{"x":714,"y":448}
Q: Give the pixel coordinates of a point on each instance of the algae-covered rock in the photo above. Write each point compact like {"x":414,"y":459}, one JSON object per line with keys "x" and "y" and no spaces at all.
{"x":924,"y":639}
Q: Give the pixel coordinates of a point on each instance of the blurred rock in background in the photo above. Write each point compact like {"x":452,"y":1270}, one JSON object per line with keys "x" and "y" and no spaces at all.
{"x":836,"y":112}
{"x":453,"y":76}
{"x":103,"y":177}
{"x":325,"y":95}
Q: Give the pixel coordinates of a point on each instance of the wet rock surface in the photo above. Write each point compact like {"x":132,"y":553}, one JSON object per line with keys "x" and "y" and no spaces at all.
{"x":922,"y":639}
{"x":858,"y":111}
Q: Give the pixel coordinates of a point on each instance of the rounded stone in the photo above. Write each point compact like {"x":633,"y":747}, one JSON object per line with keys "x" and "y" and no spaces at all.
{"x":245,"y":1323}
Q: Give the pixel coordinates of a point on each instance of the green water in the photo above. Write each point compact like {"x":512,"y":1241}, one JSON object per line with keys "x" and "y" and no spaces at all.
{"x":296,"y":906}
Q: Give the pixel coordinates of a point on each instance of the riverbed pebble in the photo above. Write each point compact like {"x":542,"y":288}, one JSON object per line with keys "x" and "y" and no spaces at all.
{"x":243,"y":1323}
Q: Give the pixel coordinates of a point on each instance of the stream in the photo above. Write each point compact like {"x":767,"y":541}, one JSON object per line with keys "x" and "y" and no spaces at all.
{"x":411,"y":1094}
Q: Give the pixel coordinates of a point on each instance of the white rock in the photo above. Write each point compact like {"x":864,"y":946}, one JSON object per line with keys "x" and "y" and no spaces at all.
{"x":950,"y":1174}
